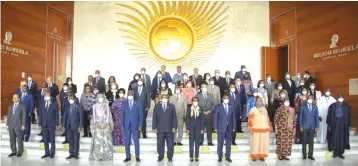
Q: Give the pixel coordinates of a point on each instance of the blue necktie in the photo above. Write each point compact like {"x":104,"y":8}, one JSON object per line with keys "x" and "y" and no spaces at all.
{"x":14,"y":108}
{"x":130,"y":105}
{"x":309,"y":107}
{"x":226,"y":109}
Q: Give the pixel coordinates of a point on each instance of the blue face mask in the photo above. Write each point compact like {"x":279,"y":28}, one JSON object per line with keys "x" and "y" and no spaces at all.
{"x":259,"y":104}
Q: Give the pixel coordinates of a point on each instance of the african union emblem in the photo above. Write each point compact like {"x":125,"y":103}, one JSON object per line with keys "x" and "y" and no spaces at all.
{"x":173,"y":32}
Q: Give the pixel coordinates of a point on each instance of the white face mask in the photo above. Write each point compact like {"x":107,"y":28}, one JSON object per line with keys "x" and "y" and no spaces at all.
{"x":188,"y":85}
{"x":204,"y":90}
{"x":244,"y":69}
{"x":95,"y":91}
{"x":340,"y":100}
{"x":69,"y":82}
{"x":164,"y":100}
{"x":96,"y":75}
{"x":287,"y":104}
{"x":304,"y":76}
{"x":328,"y":93}
{"x":232,"y":89}
{"x":163,"y":85}
{"x":142,"y":72}
{"x":255,"y":94}
{"x":177,"y":91}
{"x":195,"y":103}
{"x":288,"y":76}
{"x":113,"y":87}
{"x":238,"y":83}
{"x":310,"y":101}
{"x":140,"y":83}
{"x":217,"y":74}
{"x":185,"y":77}
{"x":29,"y":78}
{"x":121,"y":95}
{"x":268,"y":78}
{"x":312,"y":87}
{"x":226,"y":101}
{"x":130,"y":97}
{"x":72,"y":101}
{"x":136,"y":77}
{"x":47,"y":98}
{"x":262,"y":85}
{"x":279,"y":88}
{"x":159,"y":75}
{"x":282,"y":95}
{"x":100,"y":100}
{"x":65,"y":88}
{"x":211,"y":82}
{"x":208,"y":77}
{"x":227,"y":76}
{"x":302,"y":84}
{"x":304,"y":92}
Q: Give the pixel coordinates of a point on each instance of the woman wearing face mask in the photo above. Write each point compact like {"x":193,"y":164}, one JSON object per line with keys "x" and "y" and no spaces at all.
{"x":71,"y":85}
{"x":163,"y":89}
{"x":101,"y":128}
{"x":284,"y":122}
{"x":259,"y":127}
{"x":251,"y":102}
{"x":206,"y":79}
{"x":276,"y":94}
{"x":261,"y":89}
{"x":134,"y":83}
{"x":113,"y":94}
{"x":156,"y":83}
{"x":248,"y":85}
{"x":194,"y":127}
{"x":118,"y":136}
{"x":111,"y":80}
{"x":312,"y":91}
{"x":184,"y":81}
{"x":300,"y":100}
{"x":276,"y":105}
{"x":189,"y":92}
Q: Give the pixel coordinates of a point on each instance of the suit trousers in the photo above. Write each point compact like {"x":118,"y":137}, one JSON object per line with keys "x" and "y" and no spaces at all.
{"x":49,"y":138}
{"x":227,"y":137}
{"x":86,"y":122}
{"x":308,"y":135}
{"x":178,"y":135}
{"x":128,"y":134}
{"x":144,"y":127}
{"x":19,"y":135}
{"x":163,"y":137}
{"x":73,"y":137}
{"x":237,"y":127}
{"x":27,"y":128}
{"x":194,"y":141}
{"x":208,"y":124}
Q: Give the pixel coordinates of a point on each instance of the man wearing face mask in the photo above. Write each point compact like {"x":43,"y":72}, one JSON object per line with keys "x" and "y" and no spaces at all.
{"x":323,"y":104}
{"x":240,"y":74}
{"x":166,"y":75}
{"x":40,"y":94}
{"x":99,"y":82}
{"x":177,"y":76}
{"x":73,"y":120}
{"x":240,"y":91}
{"x":235,"y":103}
{"x":289,"y":85}
{"x":196,"y":78}
{"x":87,"y":101}
{"x":131,"y":123}
{"x":142,"y":94}
{"x":228,"y":81}
{"x":156,"y":83}
{"x":145,"y":78}
{"x":90,"y":83}
{"x":308,"y":79}
{"x":224,"y":125}
{"x":179,"y":102}
{"x":52,"y":87}
{"x":164,"y":125}
{"x":316,"y":94}
{"x":220,"y":82}
{"x":48,"y":121}
{"x":63,"y":98}
{"x":214,"y":90}
{"x":206,"y":102}
{"x":298,"y":79}
{"x":28,"y":101}
{"x":64,"y":107}
{"x":309,"y":120}
{"x":339,"y":122}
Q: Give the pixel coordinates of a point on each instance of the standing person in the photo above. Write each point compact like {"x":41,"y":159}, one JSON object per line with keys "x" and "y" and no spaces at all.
{"x":28,"y":101}
{"x":261,"y":90}
{"x":32,"y":89}
{"x":289,"y":85}
{"x":277,"y":104}
{"x":339,"y":121}
{"x":309,"y":125}
{"x":259,"y":127}
{"x":183,"y":82}
{"x":248,"y":85}
{"x":269,"y":85}
{"x":312,"y":91}
{"x":165,"y":75}
{"x":19,"y":90}
{"x":214,"y":90}
{"x":163,"y":90}
{"x":300,"y":86}
{"x":177,"y":76}
{"x":308,"y":79}
{"x":99,"y":82}
{"x":146,"y":79}
{"x":132,"y":120}
{"x":194,"y":127}
{"x":111,"y":80}
{"x":164,"y":125}
{"x":48,"y":121}
{"x":71,"y":85}
{"x":298,"y":80}
{"x":73,"y":120}
{"x":52,"y":87}
{"x":142,"y":93}
{"x":235,"y":103}
{"x":276,"y":94}
{"x":189,"y":92}
{"x":323,"y":104}
{"x":224,"y":125}
{"x":284,"y":122}
{"x":179,"y":102}
{"x":206,"y":102}
{"x":90,"y":83}
{"x":240,"y":74}
{"x":87,"y":101}
{"x":16,"y":118}
{"x":117,"y":110}
{"x":240,"y":91}
{"x":220,"y":82}
{"x":196,"y":79}
{"x":64,"y":98}
{"x":40,"y":94}
{"x":64,"y":107}
{"x":112,"y":94}
{"x":251,"y":103}
{"x":134,"y":83}
{"x":101,"y":128}
{"x":300,"y":100}
{"x":155,"y":85}
{"x":228,"y":81}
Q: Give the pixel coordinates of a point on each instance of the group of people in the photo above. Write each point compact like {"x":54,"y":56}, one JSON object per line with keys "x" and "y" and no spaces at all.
{"x":293,"y":109}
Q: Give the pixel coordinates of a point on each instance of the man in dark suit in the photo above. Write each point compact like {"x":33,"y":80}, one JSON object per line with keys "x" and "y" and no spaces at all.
{"x":220,"y":82}
{"x":40,"y":100}
{"x":165,"y":75}
{"x":99,"y":82}
{"x":289,"y":85}
{"x":156,"y":84}
{"x":90,"y":83}
{"x":235,"y":103}
{"x":240,"y":91}
{"x":65,"y":106}
{"x":164,"y":125}
{"x":145,"y":78}
{"x":52,"y":86}
{"x":240,"y":74}
{"x":228,"y":81}
{"x":48,"y":121}
{"x":32,"y":88}
{"x":19,"y":89}
{"x":308,"y":79}
{"x":309,"y":120}
{"x":131,"y":123}
{"x":28,"y":100}
{"x":196,"y":78}
{"x":142,"y":94}
{"x":73,"y":120}
{"x":16,"y":117}
{"x":224,"y":125}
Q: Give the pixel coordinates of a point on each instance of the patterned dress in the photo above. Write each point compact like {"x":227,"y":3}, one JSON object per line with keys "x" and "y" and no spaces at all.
{"x":248,"y":87}
{"x":300,"y":100}
{"x":284,"y":123}
{"x":118,"y":135}
{"x":189,"y":93}
{"x":251,"y":102}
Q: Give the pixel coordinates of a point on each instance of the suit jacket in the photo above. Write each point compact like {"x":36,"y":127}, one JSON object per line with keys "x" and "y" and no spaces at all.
{"x":131,"y":118}
{"x":54,"y":90}
{"x":196,"y":81}
{"x":29,"y":102}
{"x":191,"y":122}
{"x":32,"y":88}
{"x":74,"y":88}
{"x":180,"y":105}
{"x":269,"y":87}
{"x":144,"y":97}
{"x":290,"y":89}
{"x":100,"y":83}
{"x":224,"y":121}
{"x":309,"y":119}
{"x":308,"y":81}
{"x":17,"y":119}
{"x":235,"y":103}
{"x":241,"y":92}
{"x":221,"y":83}
{"x":18,"y":91}
{"x":155,"y":87}
{"x":226,"y":85}
{"x":166,"y":76}
{"x":207,"y":104}
{"x":74,"y":120}
{"x":215,"y":91}
{"x":177,"y":77}
{"x":164,"y":121}
{"x":146,"y":80}
{"x":49,"y":117}
{"x":240,"y":74}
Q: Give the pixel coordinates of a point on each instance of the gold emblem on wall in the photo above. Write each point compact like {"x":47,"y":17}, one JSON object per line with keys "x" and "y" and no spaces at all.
{"x":173,"y":32}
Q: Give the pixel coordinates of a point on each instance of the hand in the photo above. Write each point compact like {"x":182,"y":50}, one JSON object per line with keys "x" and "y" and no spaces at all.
{"x":105,"y":126}
{"x":201,"y":131}
{"x":79,"y":130}
{"x":22,"y":127}
{"x":240,"y":117}
{"x":59,"y":127}
{"x":29,"y":114}
{"x":188,"y":132}
{"x":146,"y":109}
{"x":139,"y":128}
{"x":156,"y":131}
{"x":320,"y":119}
{"x":301,"y":129}
{"x":173,"y":130}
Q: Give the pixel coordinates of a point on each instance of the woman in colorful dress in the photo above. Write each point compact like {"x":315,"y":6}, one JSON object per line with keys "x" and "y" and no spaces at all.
{"x":300,"y":100}
{"x":248,"y":85}
{"x":189,"y":92}
{"x":261,"y":90}
{"x":259,"y":127}
{"x":284,"y":123}
{"x":101,"y":128}
{"x":164,"y":89}
{"x":118,"y":135}
{"x":251,"y":102}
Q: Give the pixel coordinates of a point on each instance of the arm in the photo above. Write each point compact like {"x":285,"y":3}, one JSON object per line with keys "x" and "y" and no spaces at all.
{"x":174,"y":118}
{"x":317,"y":117}
{"x":328,"y":120}
{"x":148,"y":98}
{"x":154,"y":122}
{"x":56,"y":91}
{"x":23,"y":115}
{"x":212,"y":104}
{"x":187,"y":122}
{"x":216,"y":115}
{"x":64,"y":119}
{"x":234,"y":120}
{"x":80,"y":111}
{"x":74,"y":88}
{"x":185,"y":106}
{"x":56,"y":114}
{"x":266,"y":98}
{"x":272,"y":96}
{"x":122,"y":115}
{"x":349,"y":117}
{"x":7,"y":121}
{"x":250,"y":121}
{"x":201,"y":119}
{"x":140,"y":114}
{"x":276,"y":117}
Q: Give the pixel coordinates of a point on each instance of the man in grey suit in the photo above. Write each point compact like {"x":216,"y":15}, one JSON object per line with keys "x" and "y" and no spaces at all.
{"x":146,"y":78}
{"x":142,"y":94}
{"x":206,"y":101}
{"x":16,"y":118}
{"x":215,"y":91}
{"x":179,"y":102}
{"x":196,"y":78}
{"x":269,"y":86}
{"x":99,"y":82}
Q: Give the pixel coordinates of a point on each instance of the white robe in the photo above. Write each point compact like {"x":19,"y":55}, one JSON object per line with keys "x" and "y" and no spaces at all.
{"x":323,"y":104}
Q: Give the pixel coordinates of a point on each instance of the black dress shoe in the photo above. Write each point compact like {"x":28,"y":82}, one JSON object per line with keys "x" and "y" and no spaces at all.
{"x":241,"y":132}
{"x":19,"y":155}
{"x":12,"y":154}
{"x":160,"y":159}
{"x":45,"y":156}
{"x":175,"y":144}
{"x":170,"y":160}
{"x":197,"y":160}
{"x":228,"y":160}
{"x":233,"y":143}
{"x":84,"y":136}
{"x":63,"y":134}
{"x":127,"y":159}
{"x":76,"y":157}
{"x":52,"y":156}
{"x":210,"y":144}
{"x":39,"y":134}
{"x":335,"y":155}
{"x":262,"y":159}
{"x":70,"y":157}
{"x":65,"y":142}
{"x":304,"y":157}
{"x":219,"y":160}
{"x":285,"y":158}
{"x":253,"y":159}
{"x":137,"y":159}
{"x":145,"y":137}
{"x":341,"y":156}
{"x":41,"y":140}
{"x":201,"y":143}
{"x":191,"y":160}
{"x":311,"y":158}
{"x":179,"y":144}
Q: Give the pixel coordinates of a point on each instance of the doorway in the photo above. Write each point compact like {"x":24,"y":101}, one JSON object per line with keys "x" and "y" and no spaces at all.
{"x":283,"y":63}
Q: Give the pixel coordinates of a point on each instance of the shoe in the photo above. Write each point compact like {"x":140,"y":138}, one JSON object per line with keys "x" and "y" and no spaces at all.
{"x":175,"y":144}
{"x":84,"y":136}
{"x":76,"y":157}
{"x":89,"y":135}
{"x":240,"y":132}
{"x":335,"y":155}
{"x":304,"y":157}
{"x":262,"y":159}
{"x":228,"y":160}
{"x":63,"y":134}
{"x":191,"y":160}
{"x":137,"y":159}
{"x":19,"y":155}
{"x":311,"y":158}
{"x":179,"y":144}
{"x":160,"y":159}
{"x":65,"y":142}
{"x":170,"y":160}
{"x":45,"y":156}
{"x":127,"y":159}
{"x":210,"y":144}
{"x":253,"y":159}
{"x":41,"y":140}
{"x":341,"y":156}
{"x":70,"y":157}
{"x":145,"y":137}
{"x":26,"y":140}
{"x":52,"y":156}
{"x":285,"y":158}
{"x":201,"y":143}
{"x":219,"y":160}
{"x":39,"y":134}
{"x":197,"y":160}
{"x":233,"y":143}
{"x":12,"y":154}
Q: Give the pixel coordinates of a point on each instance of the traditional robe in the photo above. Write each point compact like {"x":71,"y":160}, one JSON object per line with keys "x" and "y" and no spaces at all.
{"x":259,"y":126}
{"x":323,"y":104}
{"x":284,"y":124}
{"x":338,"y":121}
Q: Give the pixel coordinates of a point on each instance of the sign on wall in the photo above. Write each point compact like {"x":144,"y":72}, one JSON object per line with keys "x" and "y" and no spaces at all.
{"x":335,"y":50}
{"x":8,"y":49}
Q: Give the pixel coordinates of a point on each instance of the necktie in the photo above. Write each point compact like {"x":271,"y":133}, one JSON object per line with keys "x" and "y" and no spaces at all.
{"x":97,"y":79}
{"x":14,"y":108}
{"x":29,"y":83}
{"x":233,"y":95}
{"x":227,"y":80}
{"x":22,"y":97}
{"x":204,"y":96}
{"x":71,"y":109}
{"x":140,"y":90}
{"x":143,"y":76}
{"x":164,"y":107}
{"x":226,"y":109}
{"x":177,"y":97}
{"x":90,"y":84}
{"x":47,"y":104}
{"x":309,"y":107}
{"x":130,"y":104}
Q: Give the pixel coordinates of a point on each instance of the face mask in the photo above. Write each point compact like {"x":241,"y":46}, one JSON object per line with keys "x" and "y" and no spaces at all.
{"x":208,"y":77}
{"x":217,"y":74}
{"x":188,"y":85}
{"x":185,"y":77}
{"x":163,"y":85}
{"x":244,"y":69}
{"x":113,"y":87}
{"x":312,"y":87}
{"x":226,"y":101}
{"x":195,"y":103}
{"x":65,"y":88}
{"x":304,"y":76}
{"x":47,"y":98}
{"x":279,"y":88}
{"x":72,"y":101}
{"x":140,"y":83}
{"x":121,"y":95}
{"x":287,"y":76}
{"x":204,"y":90}
{"x":304,"y":92}
{"x":262,"y":85}
{"x":142,"y":72}
{"x":282,"y":95}
{"x":238,"y":83}
{"x":130,"y":97}
{"x":164,"y":100}
{"x":136,"y":77}
{"x":310,"y":101}
{"x":227,"y":76}
{"x":302,"y":84}
{"x":95,"y":91}
{"x":232,"y":89}
{"x":96,"y":75}
{"x":29,"y":78}
{"x":298,"y":76}
{"x":328,"y":93}
{"x":69,"y":82}
{"x":340,"y":100}
{"x":258,"y":104}
{"x":255,"y":94}
{"x":287,"y":104}
{"x":268,"y":78}
{"x":100,"y":100}
{"x":211,"y":82}
{"x":177,"y":91}
{"x":159,"y":75}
